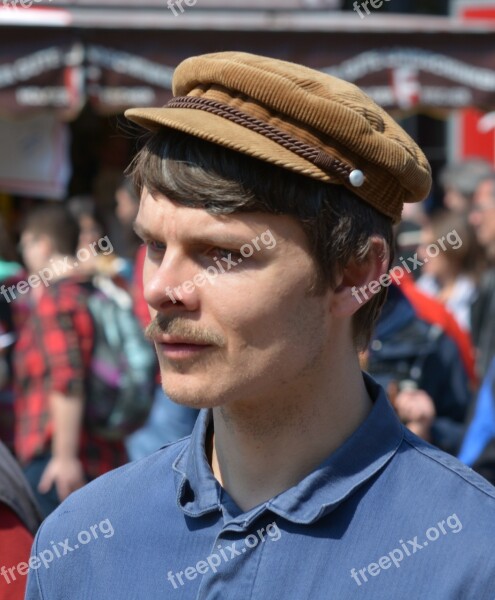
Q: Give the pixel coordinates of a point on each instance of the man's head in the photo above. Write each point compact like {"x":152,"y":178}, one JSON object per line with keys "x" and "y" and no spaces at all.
{"x":459,"y":182}
{"x":482,"y":215}
{"x":328,"y":201}
{"x":127,"y":202}
{"x":48,"y":231}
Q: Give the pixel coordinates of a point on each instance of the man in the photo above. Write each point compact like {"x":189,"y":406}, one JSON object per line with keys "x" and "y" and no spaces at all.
{"x":268,"y":196}
{"x":459,"y":182}
{"x":478,"y":447}
{"x":51,"y":364}
{"x":424,"y":363}
{"x":482,"y":218}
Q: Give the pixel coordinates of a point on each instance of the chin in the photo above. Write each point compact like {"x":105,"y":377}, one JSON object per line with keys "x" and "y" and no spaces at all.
{"x":190,"y":397}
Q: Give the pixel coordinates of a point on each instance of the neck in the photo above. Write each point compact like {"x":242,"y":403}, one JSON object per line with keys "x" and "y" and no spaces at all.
{"x":262,"y":448}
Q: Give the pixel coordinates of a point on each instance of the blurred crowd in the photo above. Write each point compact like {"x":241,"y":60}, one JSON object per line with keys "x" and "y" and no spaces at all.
{"x":434,"y":344}
{"x":433,"y":348}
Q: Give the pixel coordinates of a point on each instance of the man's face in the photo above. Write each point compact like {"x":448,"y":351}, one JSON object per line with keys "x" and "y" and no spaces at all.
{"x":249,"y":333}
{"x":36,"y":250}
{"x":482,"y":215}
{"x":455,"y":201}
{"x":126,"y":208}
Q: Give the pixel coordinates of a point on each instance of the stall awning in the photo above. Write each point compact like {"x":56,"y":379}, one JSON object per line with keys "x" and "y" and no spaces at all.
{"x":40,"y":69}
{"x":410,"y":63}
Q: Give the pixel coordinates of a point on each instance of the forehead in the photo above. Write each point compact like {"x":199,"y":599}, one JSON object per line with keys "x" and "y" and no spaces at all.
{"x":160,"y":217}
{"x":158,"y":211}
{"x":27,"y":234}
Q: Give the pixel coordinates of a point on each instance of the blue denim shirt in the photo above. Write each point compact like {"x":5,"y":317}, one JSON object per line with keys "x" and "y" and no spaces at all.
{"x":385,"y":517}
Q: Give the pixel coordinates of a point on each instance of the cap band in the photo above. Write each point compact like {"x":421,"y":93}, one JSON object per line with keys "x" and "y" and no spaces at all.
{"x":314,"y":155}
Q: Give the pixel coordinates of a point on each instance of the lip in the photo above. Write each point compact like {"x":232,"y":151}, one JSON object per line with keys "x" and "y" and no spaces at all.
{"x":171,"y":340}
{"x":180,"y":348}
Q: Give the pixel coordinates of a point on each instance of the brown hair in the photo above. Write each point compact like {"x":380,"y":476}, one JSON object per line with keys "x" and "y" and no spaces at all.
{"x":56,"y":222}
{"x":468,"y":258}
{"x":338,"y":225}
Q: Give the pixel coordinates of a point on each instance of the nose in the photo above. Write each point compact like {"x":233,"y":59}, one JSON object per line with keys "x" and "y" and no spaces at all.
{"x":171,"y":282}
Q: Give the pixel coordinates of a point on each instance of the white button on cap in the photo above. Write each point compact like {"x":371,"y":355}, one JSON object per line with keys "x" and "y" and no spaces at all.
{"x":356,"y":178}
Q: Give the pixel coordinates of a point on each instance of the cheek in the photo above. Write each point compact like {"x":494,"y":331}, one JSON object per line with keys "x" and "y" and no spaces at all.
{"x":271,"y":320}
{"x":32,"y":260}
{"x":437,"y":261}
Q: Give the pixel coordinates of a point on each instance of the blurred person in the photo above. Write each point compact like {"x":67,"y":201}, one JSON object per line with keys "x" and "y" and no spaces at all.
{"x":434,"y":312}
{"x":453,"y":274}
{"x":427,"y":308}
{"x":459,"y":182}
{"x":127,"y":206}
{"x":422,"y":366}
{"x":51,"y":363}
{"x":126,"y":209}
{"x":297,"y":460}
{"x":100,"y":267}
{"x":478,"y":446}
{"x":92,"y":231}
{"x":20,"y":518}
{"x":482,"y":218}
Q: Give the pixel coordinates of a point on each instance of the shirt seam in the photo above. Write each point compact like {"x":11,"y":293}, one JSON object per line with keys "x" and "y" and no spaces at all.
{"x":451,"y":470}
{"x":38,"y":581}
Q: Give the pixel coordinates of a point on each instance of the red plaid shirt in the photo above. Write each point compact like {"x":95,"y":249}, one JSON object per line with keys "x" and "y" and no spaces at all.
{"x":53,"y":354}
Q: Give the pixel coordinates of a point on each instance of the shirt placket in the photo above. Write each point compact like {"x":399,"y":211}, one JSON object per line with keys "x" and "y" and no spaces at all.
{"x":238,"y":564}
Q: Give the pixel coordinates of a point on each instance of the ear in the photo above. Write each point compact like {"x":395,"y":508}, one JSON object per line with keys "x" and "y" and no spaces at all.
{"x":362,"y":280}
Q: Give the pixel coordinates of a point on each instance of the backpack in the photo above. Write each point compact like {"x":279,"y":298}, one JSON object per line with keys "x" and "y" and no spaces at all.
{"x":121,"y":383}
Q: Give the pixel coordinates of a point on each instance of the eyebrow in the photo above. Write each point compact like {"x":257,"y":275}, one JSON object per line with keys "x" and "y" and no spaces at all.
{"x":203,"y":238}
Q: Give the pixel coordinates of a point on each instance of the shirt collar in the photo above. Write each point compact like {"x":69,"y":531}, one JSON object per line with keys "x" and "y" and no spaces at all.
{"x":360,"y":457}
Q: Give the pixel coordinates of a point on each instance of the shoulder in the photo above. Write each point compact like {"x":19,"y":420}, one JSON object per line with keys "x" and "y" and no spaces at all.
{"x":444,"y":474}
{"x":69,"y":294}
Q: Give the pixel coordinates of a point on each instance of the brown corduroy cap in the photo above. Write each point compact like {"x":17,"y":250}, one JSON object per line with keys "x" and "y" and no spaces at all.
{"x":296,"y":118}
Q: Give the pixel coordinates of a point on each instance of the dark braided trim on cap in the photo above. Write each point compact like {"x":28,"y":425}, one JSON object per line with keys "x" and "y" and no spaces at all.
{"x":319,"y":158}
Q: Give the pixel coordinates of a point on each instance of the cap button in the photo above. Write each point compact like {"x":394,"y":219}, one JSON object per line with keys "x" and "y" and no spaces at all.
{"x":356,"y":178}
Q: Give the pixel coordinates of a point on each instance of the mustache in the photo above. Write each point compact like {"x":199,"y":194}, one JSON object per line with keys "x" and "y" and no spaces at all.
{"x":180,"y":327}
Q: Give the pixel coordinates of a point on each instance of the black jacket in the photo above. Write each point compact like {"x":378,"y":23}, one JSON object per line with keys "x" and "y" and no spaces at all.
{"x":16,"y":493}
{"x":405,"y":347}
{"x":483,"y":322}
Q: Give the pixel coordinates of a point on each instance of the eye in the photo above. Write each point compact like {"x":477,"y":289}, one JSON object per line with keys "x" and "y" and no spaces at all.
{"x":224,"y":253}
{"x":155,"y":247}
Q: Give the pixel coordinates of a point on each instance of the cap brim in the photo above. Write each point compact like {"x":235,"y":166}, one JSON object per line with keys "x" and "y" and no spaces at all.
{"x":216,"y":129}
